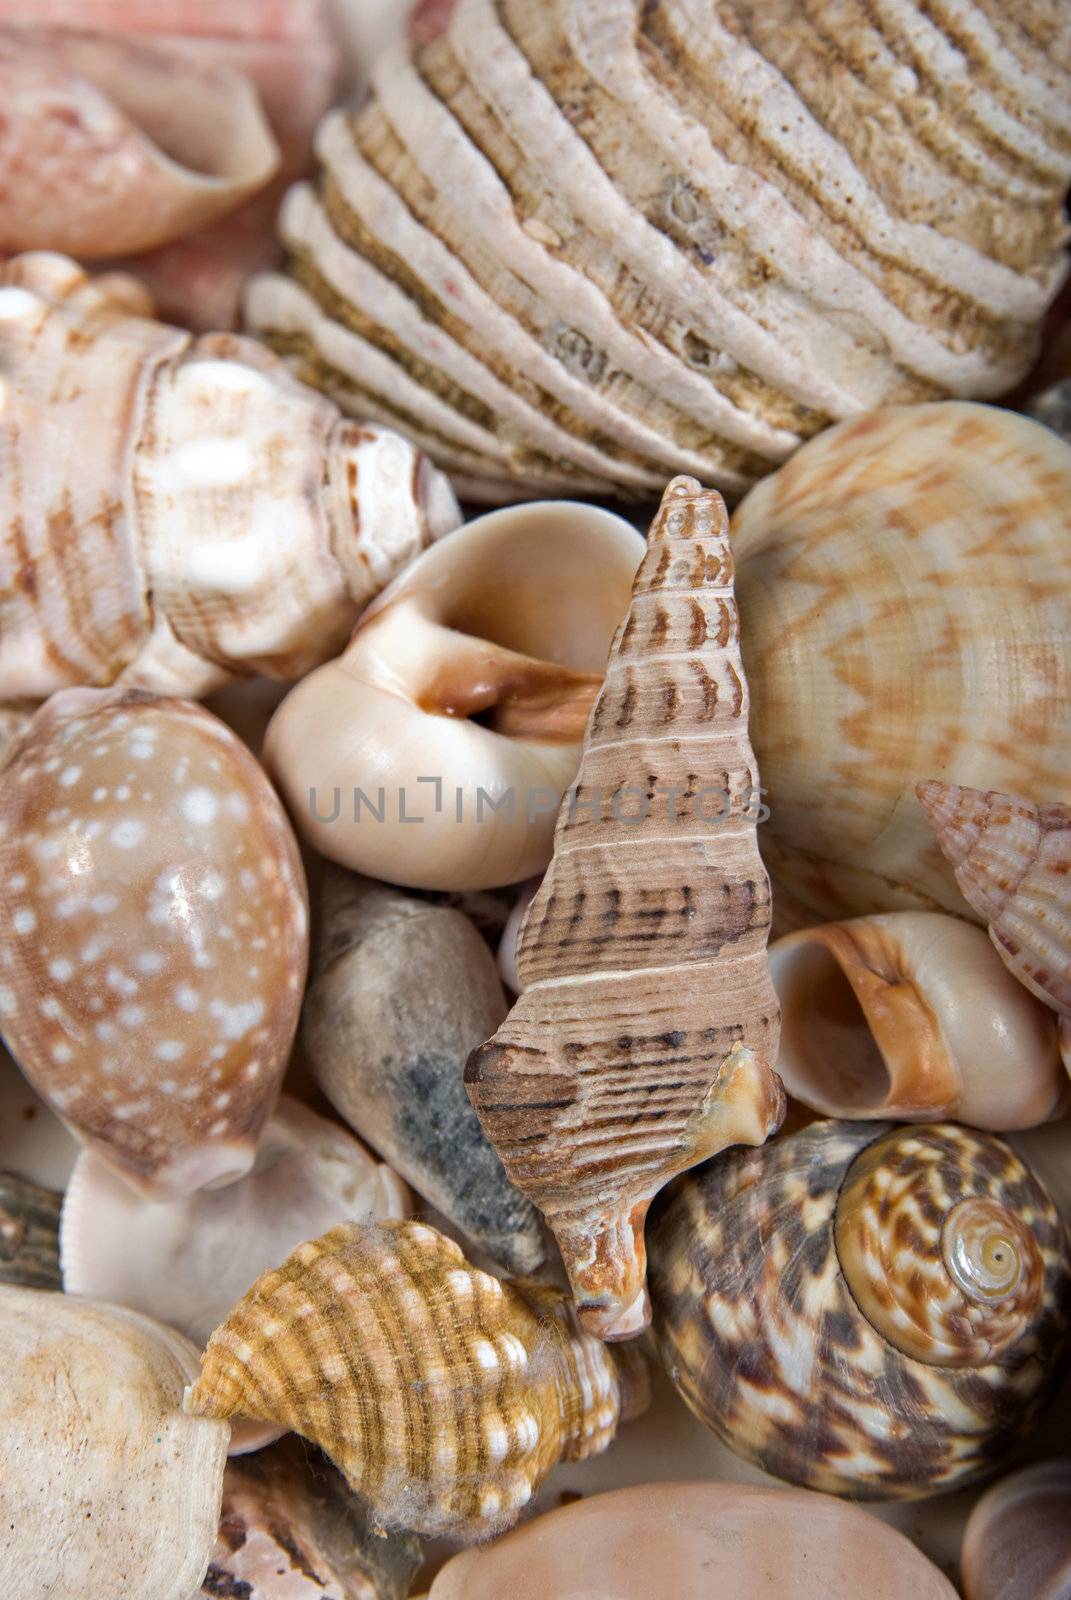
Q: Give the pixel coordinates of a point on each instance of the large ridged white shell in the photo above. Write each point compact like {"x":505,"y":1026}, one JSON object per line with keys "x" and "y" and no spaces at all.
{"x":174,"y":511}
{"x":107,"y":1490}
{"x":593,"y":243}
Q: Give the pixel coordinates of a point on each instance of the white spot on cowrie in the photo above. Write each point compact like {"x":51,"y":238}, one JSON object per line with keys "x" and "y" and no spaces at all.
{"x":128,"y":834}
{"x":200,"y":806}
{"x":69,"y":776}
{"x":24,"y":920}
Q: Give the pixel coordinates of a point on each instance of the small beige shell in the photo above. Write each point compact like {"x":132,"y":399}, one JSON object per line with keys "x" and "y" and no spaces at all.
{"x":434,"y":752}
{"x":111,"y":147}
{"x":290,"y":1529}
{"x":175,"y":511}
{"x":107,"y":1489}
{"x":902,"y":582}
{"x":1017,"y":1543}
{"x":1013,"y":864}
{"x":444,"y":1395}
{"x":911,"y":1015}
{"x":695,"y":1541}
{"x":29,"y":1233}
{"x":186,"y":1263}
{"x":645,"y":1034}
{"x":153,"y":933}
{"x":870,"y":1312}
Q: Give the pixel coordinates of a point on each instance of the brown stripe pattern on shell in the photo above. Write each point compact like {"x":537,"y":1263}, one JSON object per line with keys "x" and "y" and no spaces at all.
{"x":759,"y":1321}
{"x":587,"y":244}
{"x":1012,"y":860}
{"x":444,"y":1395}
{"x":647,"y":1026}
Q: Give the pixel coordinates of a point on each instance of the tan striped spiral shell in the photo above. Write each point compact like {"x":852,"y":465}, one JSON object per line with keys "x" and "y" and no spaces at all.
{"x":444,"y":1395}
{"x":646,"y":1030}
{"x":870,"y":1312}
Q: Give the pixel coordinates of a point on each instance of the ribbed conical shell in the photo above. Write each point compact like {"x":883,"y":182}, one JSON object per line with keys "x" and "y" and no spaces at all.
{"x":590,"y":243}
{"x":444,"y":1395}
{"x":645,"y":1034}
{"x":905,"y":588}
{"x":1013,"y":863}
{"x":174,"y":510}
{"x":874,"y":1312}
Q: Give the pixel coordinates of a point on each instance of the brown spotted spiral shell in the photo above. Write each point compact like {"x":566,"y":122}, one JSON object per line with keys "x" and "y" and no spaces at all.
{"x":874,"y":1313}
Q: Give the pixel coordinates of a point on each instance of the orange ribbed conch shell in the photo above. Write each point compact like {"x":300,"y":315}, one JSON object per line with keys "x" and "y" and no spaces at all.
{"x":645,"y":1035}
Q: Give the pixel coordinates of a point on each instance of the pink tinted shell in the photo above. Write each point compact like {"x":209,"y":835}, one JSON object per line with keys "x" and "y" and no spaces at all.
{"x":153,"y":933}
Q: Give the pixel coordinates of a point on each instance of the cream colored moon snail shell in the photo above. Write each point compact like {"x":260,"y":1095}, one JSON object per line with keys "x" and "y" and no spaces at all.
{"x":435,"y":750}
{"x":592,"y":244}
{"x":1017,"y":1543}
{"x":175,"y":511}
{"x":1012,"y":860}
{"x":153,"y":933}
{"x":645,"y":1034}
{"x":443,"y":1395}
{"x":870,"y":1312}
{"x":109,"y":1490}
{"x":912,"y":1016}
{"x":110,"y":147}
{"x":905,"y":589}
{"x":696,"y":1541}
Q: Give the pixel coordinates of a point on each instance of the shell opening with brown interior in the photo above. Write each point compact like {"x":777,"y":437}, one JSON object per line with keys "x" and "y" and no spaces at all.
{"x":460,"y":702}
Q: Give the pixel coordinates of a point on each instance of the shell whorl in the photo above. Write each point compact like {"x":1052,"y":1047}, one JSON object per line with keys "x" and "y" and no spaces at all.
{"x":643,"y":1040}
{"x":1012,"y":859}
{"x":772,"y":1349}
{"x":977,"y":1275}
{"x":444,"y":1395}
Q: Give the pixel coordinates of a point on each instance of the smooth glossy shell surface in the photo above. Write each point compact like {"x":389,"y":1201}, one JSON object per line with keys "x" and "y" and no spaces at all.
{"x":1017,"y":1543}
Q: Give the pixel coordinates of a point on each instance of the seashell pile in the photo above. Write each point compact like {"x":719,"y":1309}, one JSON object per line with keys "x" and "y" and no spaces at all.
{"x":541,"y":934}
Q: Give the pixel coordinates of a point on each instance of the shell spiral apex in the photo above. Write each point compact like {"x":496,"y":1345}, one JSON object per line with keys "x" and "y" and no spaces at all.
{"x":904,"y":1323}
{"x":178,"y":510}
{"x":444,"y":1395}
{"x":644,"y":1038}
{"x":586,"y":244}
{"x":1012,"y":860}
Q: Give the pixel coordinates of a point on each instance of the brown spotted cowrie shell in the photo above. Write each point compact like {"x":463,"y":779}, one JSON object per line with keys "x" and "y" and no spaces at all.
{"x":873,"y":1312}
{"x":153,"y":933}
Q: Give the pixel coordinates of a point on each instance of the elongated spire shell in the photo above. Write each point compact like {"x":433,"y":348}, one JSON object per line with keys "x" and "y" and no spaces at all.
{"x":644,"y":1037}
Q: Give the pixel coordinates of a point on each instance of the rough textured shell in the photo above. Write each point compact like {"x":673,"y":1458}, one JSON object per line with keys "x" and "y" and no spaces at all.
{"x":905,"y":589}
{"x":187,"y":1263}
{"x":911,"y":1015}
{"x":591,"y":243}
{"x":153,"y":933}
{"x":29,"y":1233}
{"x":469,"y":683}
{"x":1017,"y":1544}
{"x":1012,"y":860}
{"x":646,"y":1030}
{"x":109,"y":1490}
{"x":771,"y":1349}
{"x":111,"y":147}
{"x":444,"y":1395}
{"x":290,"y":1529}
{"x":177,"y":510}
{"x":693,"y":1541}
{"x":402,"y":992}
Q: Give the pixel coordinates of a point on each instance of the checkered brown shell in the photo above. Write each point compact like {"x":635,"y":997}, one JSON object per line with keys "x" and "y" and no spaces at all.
{"x":868,"y":1312}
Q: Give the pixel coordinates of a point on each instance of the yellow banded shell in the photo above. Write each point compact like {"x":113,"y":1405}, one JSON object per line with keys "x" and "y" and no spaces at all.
{"x":870,"y":1312}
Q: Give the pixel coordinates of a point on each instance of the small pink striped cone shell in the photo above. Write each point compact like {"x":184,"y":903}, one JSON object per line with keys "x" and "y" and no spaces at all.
{"x":1012,"y":860}
{"x":444,"y":1395}
{"x":645,"y":1034}
{"x":153,"y":934}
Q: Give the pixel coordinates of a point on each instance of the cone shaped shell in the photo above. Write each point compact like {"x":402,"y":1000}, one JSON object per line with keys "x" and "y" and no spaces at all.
{"x":444,"y":1396}
{"x":178,"y":510}
{"x":905,"y":589}
{"x":911,"y":1015}
{"x":644,"y":1037}
{"x":590,"y":244}
{"x":108,"y":1489}
{"x":1012,"y":861}
{"x":904,"y":1324}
